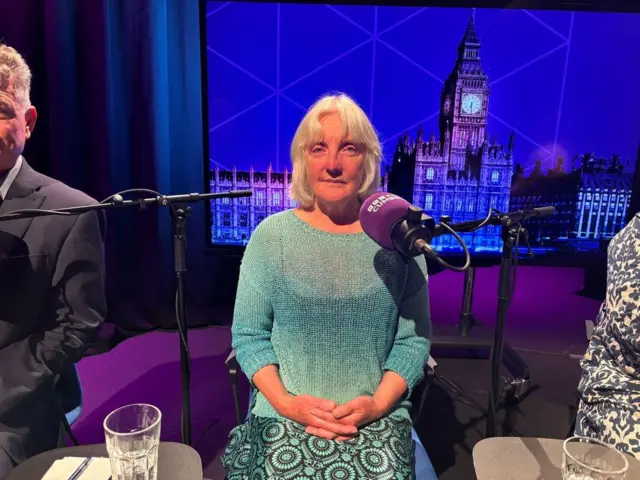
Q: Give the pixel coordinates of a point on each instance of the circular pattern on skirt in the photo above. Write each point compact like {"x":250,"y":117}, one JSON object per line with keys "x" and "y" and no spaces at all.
{"x":400,"y":448}
{"x":241,"y":461}
{"x":275,"y":448}
{"x":286,"y":458}
{"x":340,"y":471}
{"x":373,"y":460}
{"x":380,"y":425}
{"x":273,"y":432}
{"x":320,"y":446}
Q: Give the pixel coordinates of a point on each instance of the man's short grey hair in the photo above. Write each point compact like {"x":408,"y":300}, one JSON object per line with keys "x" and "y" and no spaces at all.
{"x":309,"y":133}
{"x":15,"y":76}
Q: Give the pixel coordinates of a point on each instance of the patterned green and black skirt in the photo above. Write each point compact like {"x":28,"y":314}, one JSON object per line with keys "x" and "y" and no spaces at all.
{"x":274,"y":448}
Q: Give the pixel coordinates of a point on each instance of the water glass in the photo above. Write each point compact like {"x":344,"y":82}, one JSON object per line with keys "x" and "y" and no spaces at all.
{"x":132,"y":434}
{"x":589,"y":459}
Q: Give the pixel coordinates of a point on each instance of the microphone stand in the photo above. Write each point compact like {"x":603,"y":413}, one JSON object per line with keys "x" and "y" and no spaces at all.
{"x":179,"y":219}
{"x":509,"y":235}
{"x":511,"y":229}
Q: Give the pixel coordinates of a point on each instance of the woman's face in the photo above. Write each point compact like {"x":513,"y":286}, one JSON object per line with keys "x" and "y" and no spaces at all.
{"x":335,"y":164}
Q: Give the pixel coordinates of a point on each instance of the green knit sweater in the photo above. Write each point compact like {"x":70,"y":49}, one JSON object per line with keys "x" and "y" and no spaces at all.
{"x":334,"y":311}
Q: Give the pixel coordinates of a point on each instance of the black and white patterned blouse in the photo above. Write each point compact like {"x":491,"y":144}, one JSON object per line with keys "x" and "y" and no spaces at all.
{"x":610,"y":385}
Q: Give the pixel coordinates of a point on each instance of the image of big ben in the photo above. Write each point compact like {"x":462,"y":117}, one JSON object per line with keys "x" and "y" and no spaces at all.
{"x":461,"y":174}
{"x":465,"y":99}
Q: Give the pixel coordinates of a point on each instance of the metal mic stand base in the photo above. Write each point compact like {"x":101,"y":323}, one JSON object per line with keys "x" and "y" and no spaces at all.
{"x":446,"y":342}
{"x":470,"y":339}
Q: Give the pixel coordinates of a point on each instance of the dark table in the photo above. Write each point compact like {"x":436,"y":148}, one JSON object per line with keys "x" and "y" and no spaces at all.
{"x":515,"y":458}
{"x":176,"y":461}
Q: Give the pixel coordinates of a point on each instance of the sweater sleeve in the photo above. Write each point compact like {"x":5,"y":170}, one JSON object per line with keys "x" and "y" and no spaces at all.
{"x":253,"y":312}
{"x":412,"y":343}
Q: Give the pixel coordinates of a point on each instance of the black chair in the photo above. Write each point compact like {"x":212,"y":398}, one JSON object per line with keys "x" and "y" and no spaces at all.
{"x":69,"y":390}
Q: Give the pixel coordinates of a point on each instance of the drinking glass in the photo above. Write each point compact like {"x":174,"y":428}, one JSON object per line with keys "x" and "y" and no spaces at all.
{"x":132,"y":434}
{"x":585,"y":458}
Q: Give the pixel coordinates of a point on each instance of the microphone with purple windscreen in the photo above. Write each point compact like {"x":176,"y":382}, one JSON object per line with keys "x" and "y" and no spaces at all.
{"x":395,"y":224}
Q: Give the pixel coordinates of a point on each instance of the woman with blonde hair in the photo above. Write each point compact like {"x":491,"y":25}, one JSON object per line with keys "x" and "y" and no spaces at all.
{"x":332,"y":331}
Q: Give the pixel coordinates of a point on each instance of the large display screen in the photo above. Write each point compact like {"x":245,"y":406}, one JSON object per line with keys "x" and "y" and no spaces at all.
{"x":475,"y":109}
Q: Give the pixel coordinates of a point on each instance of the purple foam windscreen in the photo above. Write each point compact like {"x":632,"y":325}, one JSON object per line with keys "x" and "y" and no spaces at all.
{"x":379,"y":214}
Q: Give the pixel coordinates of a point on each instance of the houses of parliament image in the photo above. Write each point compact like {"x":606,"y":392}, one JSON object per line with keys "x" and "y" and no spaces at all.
{"x":463,"y":174}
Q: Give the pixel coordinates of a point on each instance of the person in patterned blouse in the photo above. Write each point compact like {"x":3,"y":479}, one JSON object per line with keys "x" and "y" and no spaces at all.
{"x":609,"y":389}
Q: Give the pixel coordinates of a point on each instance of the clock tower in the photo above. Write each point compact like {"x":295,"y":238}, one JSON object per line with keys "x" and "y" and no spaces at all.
{"x":465,"y":96}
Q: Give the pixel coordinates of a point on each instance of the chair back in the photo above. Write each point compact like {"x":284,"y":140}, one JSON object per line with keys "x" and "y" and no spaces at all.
{"x":69,"y":391}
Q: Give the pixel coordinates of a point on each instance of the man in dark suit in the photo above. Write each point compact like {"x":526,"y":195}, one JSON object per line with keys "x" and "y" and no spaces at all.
{"x":51,"y":282}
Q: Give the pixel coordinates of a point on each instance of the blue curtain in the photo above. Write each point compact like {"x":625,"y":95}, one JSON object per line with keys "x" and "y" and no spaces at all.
{"x":118,"y":87}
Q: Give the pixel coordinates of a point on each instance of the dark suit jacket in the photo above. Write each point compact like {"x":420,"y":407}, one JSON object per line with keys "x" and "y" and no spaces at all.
{"x":52,"y":303}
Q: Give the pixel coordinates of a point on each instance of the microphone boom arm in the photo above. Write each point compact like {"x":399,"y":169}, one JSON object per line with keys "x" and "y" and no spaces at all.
{"x":423,"y":228}
{"x":178,"y":217}
{"x":116,"y":201}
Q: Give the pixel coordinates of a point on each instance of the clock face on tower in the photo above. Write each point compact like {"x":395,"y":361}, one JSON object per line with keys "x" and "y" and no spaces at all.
{"x":471,"y":103}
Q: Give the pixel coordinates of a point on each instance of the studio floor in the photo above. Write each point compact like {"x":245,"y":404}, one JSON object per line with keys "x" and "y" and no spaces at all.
{"x":546,"y":325}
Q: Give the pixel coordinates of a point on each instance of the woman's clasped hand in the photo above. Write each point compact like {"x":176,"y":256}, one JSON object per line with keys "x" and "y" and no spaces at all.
{"x":326,"y":419}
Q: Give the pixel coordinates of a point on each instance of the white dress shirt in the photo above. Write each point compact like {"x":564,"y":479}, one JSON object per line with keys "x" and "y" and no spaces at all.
{"x":7,"y":179}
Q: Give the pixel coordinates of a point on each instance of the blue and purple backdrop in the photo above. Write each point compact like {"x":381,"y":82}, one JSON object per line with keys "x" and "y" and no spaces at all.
{"x":488,"y":108}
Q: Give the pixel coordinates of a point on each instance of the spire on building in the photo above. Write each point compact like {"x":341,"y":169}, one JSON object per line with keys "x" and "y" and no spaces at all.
{"x":469,"y":49}
{"x":471,"y":35}
{"x":484,"y":148}
{"x":537,"y":170}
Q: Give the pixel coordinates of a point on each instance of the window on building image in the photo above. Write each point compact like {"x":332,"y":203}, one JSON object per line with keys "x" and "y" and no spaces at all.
{"x":428,"y":202}
{"x":430,"y":173}
{"x":495,"y":176}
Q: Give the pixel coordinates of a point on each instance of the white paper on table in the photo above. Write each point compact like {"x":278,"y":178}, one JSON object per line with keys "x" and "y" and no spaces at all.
{"x":99,"y":468}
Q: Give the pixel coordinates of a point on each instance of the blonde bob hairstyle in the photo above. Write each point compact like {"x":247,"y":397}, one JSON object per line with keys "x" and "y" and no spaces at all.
{"x":309,"y":133}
